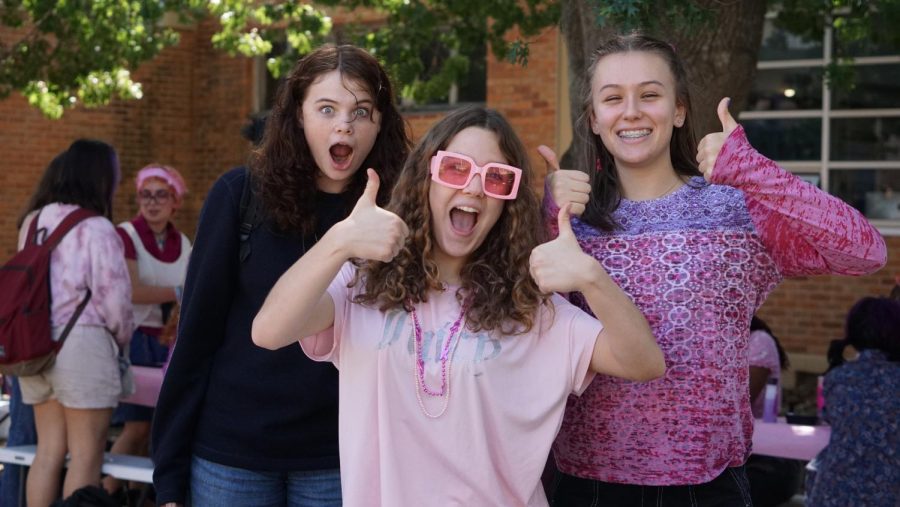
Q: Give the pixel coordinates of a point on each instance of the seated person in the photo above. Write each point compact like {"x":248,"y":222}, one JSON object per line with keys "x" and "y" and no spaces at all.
{"x":773,"y":480}
{"x":861,"y":464}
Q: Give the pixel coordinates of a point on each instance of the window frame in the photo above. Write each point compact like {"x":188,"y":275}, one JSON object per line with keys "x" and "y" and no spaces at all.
{"x":825,"y":113}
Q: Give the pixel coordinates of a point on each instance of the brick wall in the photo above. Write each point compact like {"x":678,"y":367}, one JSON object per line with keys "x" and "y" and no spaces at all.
{"x":196,"y":99}
{"x":806,"y":313}
{"x":529,"y":97}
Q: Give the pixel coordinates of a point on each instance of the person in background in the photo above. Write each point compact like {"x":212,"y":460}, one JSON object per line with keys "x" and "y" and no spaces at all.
{"x":236,"y":424}
{"x":773,"y":480}
{"x":767,"y":360}
{"x":861,"y":463}
{"x":73,"y":400}
{"x":697,"y":235}
{"x":157,"y":256}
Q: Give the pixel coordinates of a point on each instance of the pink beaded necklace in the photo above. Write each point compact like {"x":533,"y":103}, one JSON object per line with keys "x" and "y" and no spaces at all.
{"x":446,"y":361}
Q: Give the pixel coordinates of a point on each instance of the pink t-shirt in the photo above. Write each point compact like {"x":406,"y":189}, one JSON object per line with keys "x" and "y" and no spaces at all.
{"x":506,"y":402}
{"x":764,"y":354}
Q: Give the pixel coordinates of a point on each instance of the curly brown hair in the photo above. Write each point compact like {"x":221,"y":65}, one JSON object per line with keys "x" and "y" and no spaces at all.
{"x":283,"y":167}
{"x":496,"y":281}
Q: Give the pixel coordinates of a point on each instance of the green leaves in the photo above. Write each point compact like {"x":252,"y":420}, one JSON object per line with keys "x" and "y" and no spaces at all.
{"x":249,"y":28}
{"x":67,"y":52}
{"x":60,"y":53}
{"x":651,"y":16}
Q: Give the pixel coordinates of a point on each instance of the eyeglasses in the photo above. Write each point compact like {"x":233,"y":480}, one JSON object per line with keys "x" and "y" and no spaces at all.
{"x":161,"y":196}
{"x":454,"y":170}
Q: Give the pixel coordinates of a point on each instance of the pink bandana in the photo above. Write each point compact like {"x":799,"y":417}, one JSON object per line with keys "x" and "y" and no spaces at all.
{"x":173,"y":179}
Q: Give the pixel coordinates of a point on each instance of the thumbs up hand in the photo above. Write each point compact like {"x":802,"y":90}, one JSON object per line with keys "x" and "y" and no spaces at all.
{"x":566,"y":186}
{"x":371,"y":232}
{"x":711,"y":144}
{"x":560,"y":265}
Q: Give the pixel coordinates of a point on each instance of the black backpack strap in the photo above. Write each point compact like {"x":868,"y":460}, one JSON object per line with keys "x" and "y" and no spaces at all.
{"x":250,"y":216}
{"x":74,"y":318}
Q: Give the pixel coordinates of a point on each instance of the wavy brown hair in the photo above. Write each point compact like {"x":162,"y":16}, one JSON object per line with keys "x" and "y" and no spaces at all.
{"x":283,"y":167}
{"x":606,"y":191}
{"x":496,"y":281}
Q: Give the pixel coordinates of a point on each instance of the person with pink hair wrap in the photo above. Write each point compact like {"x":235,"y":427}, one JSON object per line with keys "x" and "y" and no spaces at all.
{"x":157,"y":255}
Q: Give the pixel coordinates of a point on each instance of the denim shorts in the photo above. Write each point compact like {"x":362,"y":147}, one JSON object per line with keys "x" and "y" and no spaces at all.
{"x":215,"y":485}
{"x":730,"y":489}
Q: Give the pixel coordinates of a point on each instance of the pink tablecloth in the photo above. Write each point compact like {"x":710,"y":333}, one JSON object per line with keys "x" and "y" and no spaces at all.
{"x":789,"y":440}
{"x":147,"y":381}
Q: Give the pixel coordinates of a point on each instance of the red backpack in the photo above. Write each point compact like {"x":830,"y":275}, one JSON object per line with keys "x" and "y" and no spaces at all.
{"x":26,"y":342}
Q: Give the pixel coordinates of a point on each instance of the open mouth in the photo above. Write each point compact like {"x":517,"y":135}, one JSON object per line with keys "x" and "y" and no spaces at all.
{"x":463,"y":219}
{"x":340,"y":155}
{"x":634,"y":134}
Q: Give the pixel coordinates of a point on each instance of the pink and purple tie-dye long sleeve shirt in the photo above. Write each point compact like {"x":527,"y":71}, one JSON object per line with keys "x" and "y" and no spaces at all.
{"x":698,"y":263}
{"x":90,"y":256}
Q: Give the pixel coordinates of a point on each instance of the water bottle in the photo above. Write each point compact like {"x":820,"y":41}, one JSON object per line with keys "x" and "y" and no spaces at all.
{"x":820,"y":398}
{"x":770,"y":401}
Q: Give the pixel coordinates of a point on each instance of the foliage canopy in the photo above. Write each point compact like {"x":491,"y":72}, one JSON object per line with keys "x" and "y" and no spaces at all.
{"x":59,"y":53}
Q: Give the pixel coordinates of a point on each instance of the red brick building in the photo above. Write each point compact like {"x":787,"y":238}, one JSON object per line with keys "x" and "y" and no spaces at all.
{"x":196,"y":99}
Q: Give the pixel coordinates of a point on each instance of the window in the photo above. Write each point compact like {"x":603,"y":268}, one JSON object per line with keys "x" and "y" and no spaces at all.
{"x":845,"y":139}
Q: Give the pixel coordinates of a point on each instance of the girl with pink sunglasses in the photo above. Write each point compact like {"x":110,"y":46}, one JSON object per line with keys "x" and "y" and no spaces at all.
{"x":455,"y":359}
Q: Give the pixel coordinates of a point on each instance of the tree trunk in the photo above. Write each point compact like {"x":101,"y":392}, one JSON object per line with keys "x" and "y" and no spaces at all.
{"x":720,"y":56}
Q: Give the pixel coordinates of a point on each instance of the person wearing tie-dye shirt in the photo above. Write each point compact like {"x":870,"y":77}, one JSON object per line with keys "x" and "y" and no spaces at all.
{"x":697,"y":236}
{"x":73,"y":399}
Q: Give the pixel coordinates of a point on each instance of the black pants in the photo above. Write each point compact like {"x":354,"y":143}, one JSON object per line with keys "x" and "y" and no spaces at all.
{"x":730,"y":489}
{"x":773,"y":481}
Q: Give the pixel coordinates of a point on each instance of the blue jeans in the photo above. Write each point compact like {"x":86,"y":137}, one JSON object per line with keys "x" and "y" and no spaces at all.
{"x":215,"y":485}
{"x":21,"y":432}
{"x":730,"y":489}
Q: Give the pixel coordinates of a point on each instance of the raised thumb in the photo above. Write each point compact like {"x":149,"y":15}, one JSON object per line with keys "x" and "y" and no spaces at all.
{"x":550,"y":157}
{"x":565,"y":227}
{"x":728,"y":121}
{"x":370,"y":194}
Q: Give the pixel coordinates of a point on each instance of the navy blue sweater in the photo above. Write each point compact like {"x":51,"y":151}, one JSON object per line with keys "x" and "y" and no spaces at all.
{"x":223,"y":398}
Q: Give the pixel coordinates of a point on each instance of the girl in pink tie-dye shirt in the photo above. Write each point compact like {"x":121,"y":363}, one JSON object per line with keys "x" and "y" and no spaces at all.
{"x":73,"y":400}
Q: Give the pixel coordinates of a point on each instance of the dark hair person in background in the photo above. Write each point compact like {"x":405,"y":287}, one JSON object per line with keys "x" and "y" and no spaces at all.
{"x":773,"y":480}
{"x":73,"y":399}
{"x":767,"y":359}
{"x":861,"y":464}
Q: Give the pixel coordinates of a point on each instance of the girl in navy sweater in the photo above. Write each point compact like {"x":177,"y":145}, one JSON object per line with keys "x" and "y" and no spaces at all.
{"x":235,"y":424}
